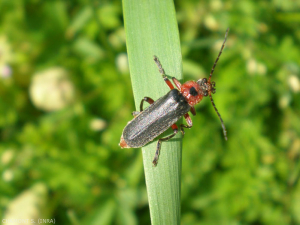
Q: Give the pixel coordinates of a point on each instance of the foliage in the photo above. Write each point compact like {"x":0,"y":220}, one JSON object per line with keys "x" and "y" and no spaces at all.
{"x":73,"y":151}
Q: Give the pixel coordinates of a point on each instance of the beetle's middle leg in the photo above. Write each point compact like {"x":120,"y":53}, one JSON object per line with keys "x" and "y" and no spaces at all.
{"x":189,"y":122}
{"x":175,"y":130}
{"x":147,"y":99}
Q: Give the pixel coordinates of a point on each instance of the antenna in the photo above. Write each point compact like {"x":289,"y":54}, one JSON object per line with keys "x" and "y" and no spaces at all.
{"x":222,"y":123}
{"x":211,"y":99}
{"x":213,"y":68}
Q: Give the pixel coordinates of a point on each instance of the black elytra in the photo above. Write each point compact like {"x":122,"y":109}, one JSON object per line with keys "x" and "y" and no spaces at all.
{"x":147,"y":126}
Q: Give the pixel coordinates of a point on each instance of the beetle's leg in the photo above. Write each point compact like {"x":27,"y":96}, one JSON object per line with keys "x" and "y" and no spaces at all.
{"x":176,"y":82}
{"x":162,"y":72}
{"x":189,"y":122}
{"x":193,"y":111}
{"x":147,"y":99}
{"x":175,"y":130}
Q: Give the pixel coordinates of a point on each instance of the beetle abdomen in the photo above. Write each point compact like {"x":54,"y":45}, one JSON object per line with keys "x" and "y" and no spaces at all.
{"x":154,"y":120}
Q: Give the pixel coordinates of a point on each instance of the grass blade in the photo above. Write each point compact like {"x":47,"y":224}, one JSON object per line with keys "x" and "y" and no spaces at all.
{"x":151,"y":29}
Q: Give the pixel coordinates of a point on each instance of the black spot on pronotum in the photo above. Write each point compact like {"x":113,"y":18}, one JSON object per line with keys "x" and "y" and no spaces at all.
{"x":193,"y":91}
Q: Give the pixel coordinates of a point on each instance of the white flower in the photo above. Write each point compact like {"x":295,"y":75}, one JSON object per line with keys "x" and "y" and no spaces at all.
{"x":52,"y":90}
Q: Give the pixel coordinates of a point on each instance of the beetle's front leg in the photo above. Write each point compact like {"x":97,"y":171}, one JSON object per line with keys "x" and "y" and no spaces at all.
{"x":162,"y":72}
{"x":147,"y":99}
{"x":193,"y":111}
{"x":177,"y":83}
{"x":175,"y":130}
{"x":189,"y":122}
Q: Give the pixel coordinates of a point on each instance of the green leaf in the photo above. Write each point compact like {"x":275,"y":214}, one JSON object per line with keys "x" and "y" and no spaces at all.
{"x":151,"y":29}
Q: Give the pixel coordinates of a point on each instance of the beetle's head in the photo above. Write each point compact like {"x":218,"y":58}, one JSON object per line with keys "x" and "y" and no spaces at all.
{"x":206,"y":87}
{"x":195,"y":91}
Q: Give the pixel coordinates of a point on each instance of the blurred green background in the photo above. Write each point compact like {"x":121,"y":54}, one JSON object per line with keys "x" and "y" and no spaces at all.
{"x":65,"y":97}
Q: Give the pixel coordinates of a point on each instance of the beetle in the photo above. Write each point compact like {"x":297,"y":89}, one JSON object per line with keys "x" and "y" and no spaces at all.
{"x":167,"y":110}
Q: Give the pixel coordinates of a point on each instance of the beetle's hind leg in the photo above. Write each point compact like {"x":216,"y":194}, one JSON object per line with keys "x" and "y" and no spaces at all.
{"x":189,"y":122}
{"x":175,"y":130}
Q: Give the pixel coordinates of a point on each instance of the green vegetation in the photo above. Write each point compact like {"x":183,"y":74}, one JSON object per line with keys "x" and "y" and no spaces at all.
{"x":66,"y":95}
{"x":144,"y":38}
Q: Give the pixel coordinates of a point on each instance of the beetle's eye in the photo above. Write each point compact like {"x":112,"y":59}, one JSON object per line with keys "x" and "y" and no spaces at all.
{"x":202,"y":82}
{"x":193,"y":91}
